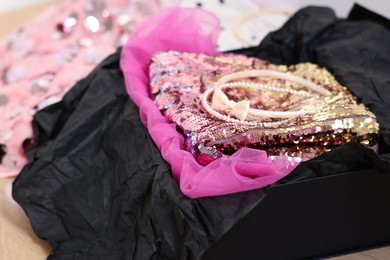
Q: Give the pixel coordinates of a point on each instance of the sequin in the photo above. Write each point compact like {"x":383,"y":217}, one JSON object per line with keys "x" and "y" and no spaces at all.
{"x":41,"y":84}
{"x":14,"y":74}
{"x":67,"y":54}
{"x":179,"y":79}
{"x":126,"y":22}
{"x":123,"y":19}
{"x":337,"y":124}
{"x":92,"y":56}
{"x":92,"y":24}
{"x":67,"y":26}
{"x":108,"y":24}
{"x":20,"y":44}
{"x":3,"y":100}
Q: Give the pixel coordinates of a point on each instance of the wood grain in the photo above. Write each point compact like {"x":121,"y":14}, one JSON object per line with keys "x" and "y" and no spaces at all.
{"x":13,"y":20}
{"x":17,"y":238}
{"x":376,"y":254}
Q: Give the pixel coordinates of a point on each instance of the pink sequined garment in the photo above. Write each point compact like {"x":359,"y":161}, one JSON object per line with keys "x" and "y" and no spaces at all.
{"x":196,"y":31}
{"x":41,"y":61}
{"x":179,"y":79}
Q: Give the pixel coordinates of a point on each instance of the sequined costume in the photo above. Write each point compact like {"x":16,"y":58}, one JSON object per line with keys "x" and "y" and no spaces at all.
{"x":179,"y":79}
{"x":41,"y":61}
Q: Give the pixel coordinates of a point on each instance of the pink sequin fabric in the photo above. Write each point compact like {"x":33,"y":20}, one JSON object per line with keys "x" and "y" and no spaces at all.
{"x":41,"y":61}
{"x":196,"y":31}
{"x":178,"y":81}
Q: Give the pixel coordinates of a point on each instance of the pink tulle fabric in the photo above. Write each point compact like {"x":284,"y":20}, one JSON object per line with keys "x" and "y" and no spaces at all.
{"x":190,"y":30}
{"x":44,"y":59}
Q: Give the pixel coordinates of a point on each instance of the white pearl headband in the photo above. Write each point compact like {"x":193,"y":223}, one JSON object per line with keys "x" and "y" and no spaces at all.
{"x":241,"y":109}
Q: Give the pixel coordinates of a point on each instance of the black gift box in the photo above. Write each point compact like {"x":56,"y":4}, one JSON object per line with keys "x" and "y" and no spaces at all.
{"x":314,"y":218}
{"x":328,"y":215}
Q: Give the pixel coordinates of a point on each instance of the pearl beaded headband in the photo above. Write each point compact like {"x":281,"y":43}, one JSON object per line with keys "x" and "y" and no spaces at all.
{"x":241,"y":109}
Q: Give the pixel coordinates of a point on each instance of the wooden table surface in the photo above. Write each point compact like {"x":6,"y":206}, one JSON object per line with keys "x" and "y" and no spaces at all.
{"x":17,"y":238}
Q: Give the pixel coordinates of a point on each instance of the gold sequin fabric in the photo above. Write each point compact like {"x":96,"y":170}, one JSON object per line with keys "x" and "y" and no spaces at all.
{"x":179,"y":79}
